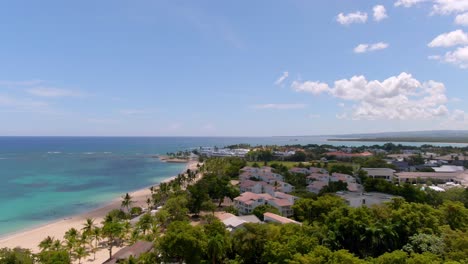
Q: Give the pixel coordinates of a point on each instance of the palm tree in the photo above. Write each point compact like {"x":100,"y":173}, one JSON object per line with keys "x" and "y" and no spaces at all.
{"x":88,"y":226}
{"x":127,"y":202}
{"x":71,"y":240}
{"x":81,"y":252}
{"x":148,"y":202}
{"x":46,"y":243}
{"x":112,"y":231}
{"x":96,"y":235}
{"x":144,"y":224}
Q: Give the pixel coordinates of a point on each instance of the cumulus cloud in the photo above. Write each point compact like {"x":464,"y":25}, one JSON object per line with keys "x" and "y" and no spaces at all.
{"x":462,"y":19}
{"x":380,"y":13}
{"x":454,"y":38}
{"x":52,"y":92}
{"x":310,"y":87}
{"x":350,"y":18}
{"x":279,"y":106}
{"x":363,"y":48}
{"x":408,"y":3}
{"x":282,"y":78}
{"x":443,"y":7}
{"x":449,"y":6}
{"x":458,"y":57}
{"x":399,"y":97}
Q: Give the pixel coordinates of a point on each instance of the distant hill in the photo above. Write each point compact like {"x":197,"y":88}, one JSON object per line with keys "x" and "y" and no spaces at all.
{"x":448,"y":136}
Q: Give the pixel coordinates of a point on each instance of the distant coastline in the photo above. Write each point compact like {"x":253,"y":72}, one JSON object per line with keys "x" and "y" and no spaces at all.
{"x":171,"y":159}
{"x":405,"y":139}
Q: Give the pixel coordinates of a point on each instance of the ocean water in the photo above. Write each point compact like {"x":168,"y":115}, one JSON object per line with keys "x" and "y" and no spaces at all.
{"x":48,"y":178}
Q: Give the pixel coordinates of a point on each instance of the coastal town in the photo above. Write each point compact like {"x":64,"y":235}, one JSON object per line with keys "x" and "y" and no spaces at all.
{"x":241,"y":187}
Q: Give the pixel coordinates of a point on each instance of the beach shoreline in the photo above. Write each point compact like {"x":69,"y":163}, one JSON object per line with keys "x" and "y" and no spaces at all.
{"x":31,"y":237}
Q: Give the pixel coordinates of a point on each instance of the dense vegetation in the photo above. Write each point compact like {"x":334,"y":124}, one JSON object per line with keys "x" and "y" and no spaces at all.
{"x":422,"y":226}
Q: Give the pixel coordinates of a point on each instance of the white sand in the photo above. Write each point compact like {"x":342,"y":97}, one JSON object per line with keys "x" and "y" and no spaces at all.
{"x":31,"y":238}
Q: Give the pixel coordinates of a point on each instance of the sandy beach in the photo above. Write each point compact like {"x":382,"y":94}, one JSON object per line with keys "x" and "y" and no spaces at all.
{"x":31,"y":238}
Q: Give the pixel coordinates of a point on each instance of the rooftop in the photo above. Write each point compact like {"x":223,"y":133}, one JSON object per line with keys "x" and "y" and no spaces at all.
{"x":278,"y":219}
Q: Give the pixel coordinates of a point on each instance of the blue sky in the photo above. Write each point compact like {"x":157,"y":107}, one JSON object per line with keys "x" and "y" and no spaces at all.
{"x":232,"y":68}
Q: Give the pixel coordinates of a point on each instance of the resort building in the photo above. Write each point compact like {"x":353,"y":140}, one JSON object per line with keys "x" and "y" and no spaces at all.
{"x":380,"y":173}
{"x":414,"y":177}
{"x":248,"y":201}
{"x":365,"y":199}
{"x":318,"y":177}
{"x":233,"y":222}
{"x":342,"y":177}
{"x":274,"y":218}
{"x":316,"y":186}
{"x":134,"y":250}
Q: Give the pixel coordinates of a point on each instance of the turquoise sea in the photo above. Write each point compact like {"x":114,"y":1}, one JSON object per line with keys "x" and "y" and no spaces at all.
{"x":48,"y":178}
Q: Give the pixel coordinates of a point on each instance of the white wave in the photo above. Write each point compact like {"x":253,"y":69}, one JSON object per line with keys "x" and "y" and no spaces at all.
{"x":54,"y":152}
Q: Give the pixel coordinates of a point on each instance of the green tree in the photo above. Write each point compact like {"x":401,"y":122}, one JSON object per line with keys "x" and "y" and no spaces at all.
{"x":46,"y":243}
{"x":218,"y":240}
{"x":145,"y":223}
{"x":16,"y":256}
{"x":182,"y":243}
{"x":54,"y":257}
{"x":112,"y":231}
{"x":260,"y":210}
{"x":80,"y":253}
{"x":454,"y":214}
{"x":88,"y":226}
{"x":249,"y":242}
{"x":127,"y":202}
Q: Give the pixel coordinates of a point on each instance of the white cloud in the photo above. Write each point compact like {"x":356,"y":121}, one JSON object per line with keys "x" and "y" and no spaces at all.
{"x":442,"y":7}
{"x":356,"y":17}
{"x":363,"y":48}
{"x":454,"y":38}
{"x":380,"y":13}
{"x":408,"y":3}
{"x":462,"y":19}
{"x":52,"y":92}
{"x":458,"y":57}
{"x":445,"y":7}
{"x":399,"y":97}
{"x":310,"y":87}
{"x":280,"y":106}
{"x":282,"y":78}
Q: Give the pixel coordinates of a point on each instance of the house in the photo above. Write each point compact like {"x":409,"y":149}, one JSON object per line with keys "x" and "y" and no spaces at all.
{"x":380,"y":173}
{"x":456,"y":177}
{"x":252,"y":186}
{"x":284,"y":206}
{"x":449,"y":168}
{"x":342,"y":177}
{"x":299,"y":170}
{"x":233,"y":222}
{"x":316,"y":186}
{"x":248,"y":201}
{"x":318,"y":177}
{"x":274,"y":218}
{"x":134,"y":250}
{"x":402,"y":166}
{"x":365,"y":199}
